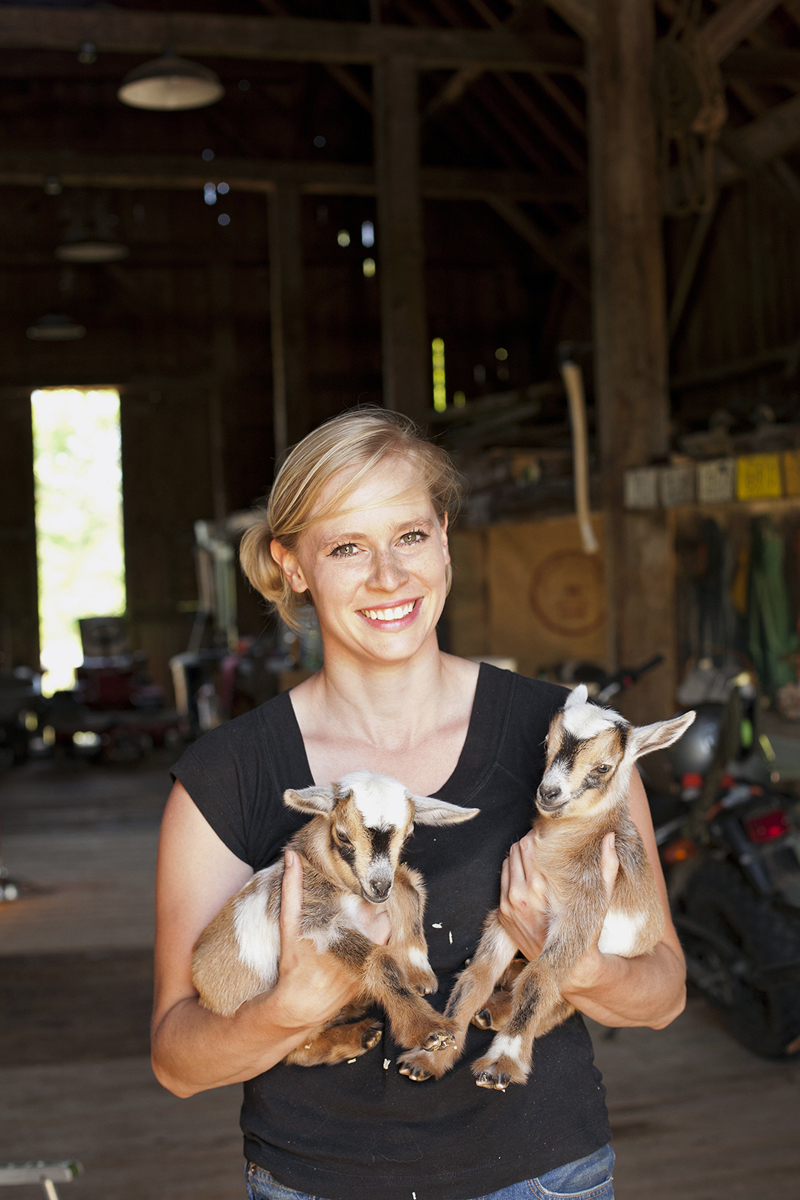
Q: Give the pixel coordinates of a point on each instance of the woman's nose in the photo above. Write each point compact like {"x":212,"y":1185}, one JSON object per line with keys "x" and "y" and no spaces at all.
{"x":388,"y":572}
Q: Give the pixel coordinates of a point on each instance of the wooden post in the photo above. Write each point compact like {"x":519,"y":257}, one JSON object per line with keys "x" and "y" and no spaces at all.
{"x":404,"y":326}
{"x":630,"y":338}
{"x":287,"y":316}
{"x":223,"y":347}
{"x":19,"y":596}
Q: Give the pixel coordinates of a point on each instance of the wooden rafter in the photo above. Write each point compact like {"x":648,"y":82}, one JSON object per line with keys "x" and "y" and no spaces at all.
{"x":30,"y":168}
{"x":546,"y":247}
{"x":344,"y":77}
{"x":580,"y":15}
{"x":291,"y":39}
{"x":731,"y":23}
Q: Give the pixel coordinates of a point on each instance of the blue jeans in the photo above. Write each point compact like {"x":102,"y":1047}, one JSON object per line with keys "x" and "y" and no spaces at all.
{"x":585,"y":1179}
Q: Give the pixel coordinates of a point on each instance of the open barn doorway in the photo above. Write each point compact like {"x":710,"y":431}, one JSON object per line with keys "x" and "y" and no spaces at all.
{"x":79,"y":542}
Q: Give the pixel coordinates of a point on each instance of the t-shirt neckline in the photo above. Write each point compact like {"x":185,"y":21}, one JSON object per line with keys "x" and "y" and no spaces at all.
{"x":471,"y":759}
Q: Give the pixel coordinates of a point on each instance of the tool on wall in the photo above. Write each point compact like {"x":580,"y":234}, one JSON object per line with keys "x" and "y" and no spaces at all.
{"x":573,"y":385}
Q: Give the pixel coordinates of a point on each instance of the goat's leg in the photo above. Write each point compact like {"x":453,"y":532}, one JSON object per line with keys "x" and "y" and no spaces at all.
{"x":407,"y":942}
{"x":338,"y":1042}
{"x":498,"y":1007}
{"x":537,"y":1003}
{"x":382,"y":978}
{"x":536,"y":999}
{"x":471,"y":992}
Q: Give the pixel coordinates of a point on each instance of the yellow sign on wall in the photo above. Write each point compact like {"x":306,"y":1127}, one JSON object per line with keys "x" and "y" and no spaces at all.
{"x":758,"y":477}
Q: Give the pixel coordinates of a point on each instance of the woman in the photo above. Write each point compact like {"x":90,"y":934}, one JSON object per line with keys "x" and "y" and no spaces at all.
{"x":357,"y":526}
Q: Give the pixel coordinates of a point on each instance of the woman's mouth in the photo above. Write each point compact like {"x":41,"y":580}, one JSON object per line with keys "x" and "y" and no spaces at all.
{"x":394,"y":616}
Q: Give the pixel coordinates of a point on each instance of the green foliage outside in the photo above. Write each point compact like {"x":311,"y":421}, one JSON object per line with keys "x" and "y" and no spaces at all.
{"x":78,"y":479}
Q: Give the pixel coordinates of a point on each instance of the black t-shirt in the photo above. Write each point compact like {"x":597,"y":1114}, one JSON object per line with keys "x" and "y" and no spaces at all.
{"x":361,"y":1130}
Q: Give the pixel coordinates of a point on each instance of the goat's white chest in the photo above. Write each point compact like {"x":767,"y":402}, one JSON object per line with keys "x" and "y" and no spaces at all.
{"x":620,"y":932}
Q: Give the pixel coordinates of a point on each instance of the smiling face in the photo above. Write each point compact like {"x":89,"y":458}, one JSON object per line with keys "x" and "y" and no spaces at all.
{"x":375,"y":569}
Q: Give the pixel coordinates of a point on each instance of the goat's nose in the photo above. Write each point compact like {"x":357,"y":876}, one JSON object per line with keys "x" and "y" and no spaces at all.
{"x":549,"y":791}
{"x":380,"y":888}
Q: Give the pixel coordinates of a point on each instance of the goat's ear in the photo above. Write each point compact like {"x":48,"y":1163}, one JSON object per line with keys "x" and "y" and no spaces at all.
{"x":428,"y":811}
{"x":578,"y":695}
{"x":647,"y":738}
{"x":313,"y":800}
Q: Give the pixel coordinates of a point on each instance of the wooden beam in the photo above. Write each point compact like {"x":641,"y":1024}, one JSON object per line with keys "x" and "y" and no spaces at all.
{"x":732,"y":23}
{"x":30,"y":168}
{"x":288,"y":39}
{"x":757,"y":64}
{"x":404,"y":327}
{"x":287,"y":316}
{"x":630,"y":342}
{"x":688,"y":271}
{"x":580,"y":15}
{"x":745,"y":150}
{"x":345,"y":78}
{"x":546,"y":247}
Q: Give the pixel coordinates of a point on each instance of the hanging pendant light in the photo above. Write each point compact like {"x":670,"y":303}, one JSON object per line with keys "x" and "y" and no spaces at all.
{"x":55,"y":327}
{"x":91,"y":250}
{"x":170,"y":84}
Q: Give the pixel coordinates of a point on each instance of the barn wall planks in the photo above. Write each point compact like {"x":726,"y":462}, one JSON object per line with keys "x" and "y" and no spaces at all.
{"x":528,"y":591}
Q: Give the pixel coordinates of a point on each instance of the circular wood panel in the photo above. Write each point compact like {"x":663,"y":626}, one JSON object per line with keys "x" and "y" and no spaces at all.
{"x":567,"y":593}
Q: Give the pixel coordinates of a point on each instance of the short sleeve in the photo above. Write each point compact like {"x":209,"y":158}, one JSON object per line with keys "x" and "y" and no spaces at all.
{"x":221,"y":773}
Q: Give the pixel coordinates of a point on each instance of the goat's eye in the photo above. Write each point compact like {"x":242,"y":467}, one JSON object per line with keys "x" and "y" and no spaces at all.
{"x":603,"y":769}
{"x":343,"y":837}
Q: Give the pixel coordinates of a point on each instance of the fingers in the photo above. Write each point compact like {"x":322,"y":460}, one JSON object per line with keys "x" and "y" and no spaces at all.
{"x":609,"y":864}
{"x":291,"y":897}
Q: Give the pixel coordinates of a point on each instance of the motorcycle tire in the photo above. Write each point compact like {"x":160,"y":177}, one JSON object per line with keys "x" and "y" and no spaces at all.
{"x":750,"y":932}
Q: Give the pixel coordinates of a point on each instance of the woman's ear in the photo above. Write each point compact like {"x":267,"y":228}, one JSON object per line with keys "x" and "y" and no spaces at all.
{"x":288,"y":562}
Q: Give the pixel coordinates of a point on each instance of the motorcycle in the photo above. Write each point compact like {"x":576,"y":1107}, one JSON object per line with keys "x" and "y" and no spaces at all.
{"x":729,"y":844}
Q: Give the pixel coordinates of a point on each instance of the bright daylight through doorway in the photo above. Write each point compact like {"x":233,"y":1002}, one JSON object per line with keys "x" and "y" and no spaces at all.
{"x":78,"y":477}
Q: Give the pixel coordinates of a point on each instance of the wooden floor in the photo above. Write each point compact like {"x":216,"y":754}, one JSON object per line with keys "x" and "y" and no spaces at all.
{"x":694,"y":1116}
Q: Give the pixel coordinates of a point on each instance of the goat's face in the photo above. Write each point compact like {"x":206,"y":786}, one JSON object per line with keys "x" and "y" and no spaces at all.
{"x":590,"y":751}
{"x":365,"y":822}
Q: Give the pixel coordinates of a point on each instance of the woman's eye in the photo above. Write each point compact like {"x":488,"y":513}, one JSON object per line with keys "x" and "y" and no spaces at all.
{"x":345,"y":551}
{"x":413,"y":538}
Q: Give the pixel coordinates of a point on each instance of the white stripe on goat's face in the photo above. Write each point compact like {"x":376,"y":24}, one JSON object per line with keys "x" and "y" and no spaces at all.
{"x":585,"y":748}
{"x":372,"y":817}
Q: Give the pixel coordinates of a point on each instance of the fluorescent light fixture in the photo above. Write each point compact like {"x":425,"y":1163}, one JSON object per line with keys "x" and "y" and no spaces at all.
{"x":170,"y":84}
{"x":91,"y":250}
{"x":55,"y":327}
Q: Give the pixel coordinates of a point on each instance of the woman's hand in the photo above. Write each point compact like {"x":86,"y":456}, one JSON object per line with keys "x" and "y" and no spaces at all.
{"x":313,"y":987}
{"x":524,"y":902}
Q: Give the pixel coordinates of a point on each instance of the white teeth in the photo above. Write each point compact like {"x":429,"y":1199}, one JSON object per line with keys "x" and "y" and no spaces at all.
{"x":389,"y":614}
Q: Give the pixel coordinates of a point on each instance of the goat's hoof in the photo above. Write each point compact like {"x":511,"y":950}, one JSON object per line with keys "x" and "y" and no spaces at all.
{"x":438,"y":1041}
{"x":372,"y":1035}
{"x":416,"y":1072}
{"x":483,"y":1019}
{"x":498,"y":1080}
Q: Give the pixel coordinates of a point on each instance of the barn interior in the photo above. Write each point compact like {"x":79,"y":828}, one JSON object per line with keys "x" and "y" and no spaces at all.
{"x":563,"y":237}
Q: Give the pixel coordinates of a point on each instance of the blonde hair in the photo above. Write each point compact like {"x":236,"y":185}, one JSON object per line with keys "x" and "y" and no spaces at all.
{"x":356,"y":441}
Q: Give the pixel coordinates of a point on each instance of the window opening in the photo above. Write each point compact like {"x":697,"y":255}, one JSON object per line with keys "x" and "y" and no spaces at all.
{"x":78,"y":484}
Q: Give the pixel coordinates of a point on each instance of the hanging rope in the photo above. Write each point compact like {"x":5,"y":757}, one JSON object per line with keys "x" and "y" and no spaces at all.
{"x":689,"y":97}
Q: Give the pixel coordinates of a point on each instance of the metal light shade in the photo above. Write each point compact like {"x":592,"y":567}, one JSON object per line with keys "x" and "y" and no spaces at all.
{"x":91,"y":250}
{"x":169,"y":84}
{"x":55,"y":327}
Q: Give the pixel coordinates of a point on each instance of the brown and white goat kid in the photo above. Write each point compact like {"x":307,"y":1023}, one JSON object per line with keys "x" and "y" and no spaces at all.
{"x":350,"y":851}
{"x":582,"y":797}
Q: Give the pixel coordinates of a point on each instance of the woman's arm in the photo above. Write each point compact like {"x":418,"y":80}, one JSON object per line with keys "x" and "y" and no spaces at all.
{"x":648,"y":990}
{"x":192,"y":1048}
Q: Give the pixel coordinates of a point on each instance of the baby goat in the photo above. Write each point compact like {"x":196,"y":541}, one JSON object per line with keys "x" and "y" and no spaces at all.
{"x":582,"y":797}
{"x":350,"y":850}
